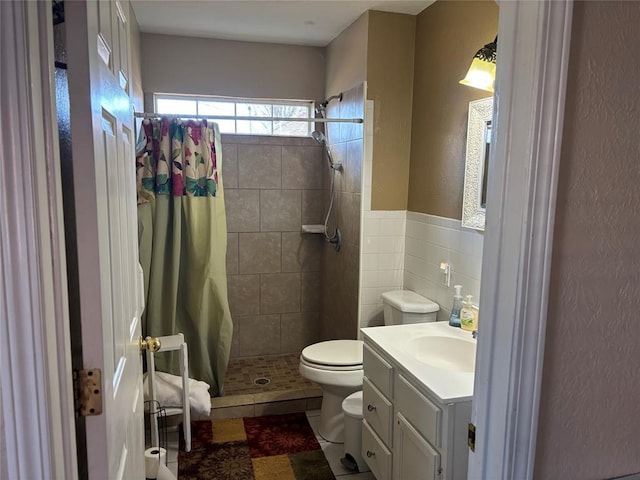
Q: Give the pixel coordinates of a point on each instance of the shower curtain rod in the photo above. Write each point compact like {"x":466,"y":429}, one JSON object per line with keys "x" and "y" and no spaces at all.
{"x":273,"y":119}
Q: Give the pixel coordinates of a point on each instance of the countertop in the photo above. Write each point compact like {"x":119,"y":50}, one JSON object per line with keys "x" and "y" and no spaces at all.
{"x":447,"y":386}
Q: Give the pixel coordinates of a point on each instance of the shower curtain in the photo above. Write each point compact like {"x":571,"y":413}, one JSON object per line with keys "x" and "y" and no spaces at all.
{"x":182,"y":234}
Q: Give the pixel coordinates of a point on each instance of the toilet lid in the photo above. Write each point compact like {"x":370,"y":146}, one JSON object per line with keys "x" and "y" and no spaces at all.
{"x":409,"y":302}
{"x":334,"y":352}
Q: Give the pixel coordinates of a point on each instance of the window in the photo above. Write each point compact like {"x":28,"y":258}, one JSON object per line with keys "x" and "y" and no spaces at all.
{"x":225,"y":112}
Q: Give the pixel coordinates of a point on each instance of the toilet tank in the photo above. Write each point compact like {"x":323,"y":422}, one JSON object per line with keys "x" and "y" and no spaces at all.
{"x":404,"y":306}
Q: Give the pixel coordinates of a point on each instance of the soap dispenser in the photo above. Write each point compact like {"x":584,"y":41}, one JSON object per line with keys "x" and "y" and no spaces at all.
{"x":469,"y":315}
{"x":454,"y":319}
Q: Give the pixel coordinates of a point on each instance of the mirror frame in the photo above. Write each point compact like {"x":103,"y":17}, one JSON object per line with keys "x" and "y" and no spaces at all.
{"x":480,"y":113}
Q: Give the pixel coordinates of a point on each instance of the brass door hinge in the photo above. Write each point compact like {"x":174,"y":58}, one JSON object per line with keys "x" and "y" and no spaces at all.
{"x":87,"y":392}
{"x":471,"y":438}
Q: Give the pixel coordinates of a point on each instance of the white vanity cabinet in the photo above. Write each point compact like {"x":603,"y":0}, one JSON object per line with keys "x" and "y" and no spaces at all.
{"x":407,"y":432}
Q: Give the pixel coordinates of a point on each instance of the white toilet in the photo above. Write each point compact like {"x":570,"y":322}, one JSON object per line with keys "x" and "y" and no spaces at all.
{"x":336,"y":365}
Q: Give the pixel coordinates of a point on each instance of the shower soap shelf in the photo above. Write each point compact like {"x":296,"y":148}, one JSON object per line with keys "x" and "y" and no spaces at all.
{"x":312,"y":228}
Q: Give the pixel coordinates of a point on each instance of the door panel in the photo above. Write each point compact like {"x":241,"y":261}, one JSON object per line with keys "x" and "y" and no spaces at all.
{"x":125,"y":57}
{"x":105,"y":205}
{"x":105,"y":33}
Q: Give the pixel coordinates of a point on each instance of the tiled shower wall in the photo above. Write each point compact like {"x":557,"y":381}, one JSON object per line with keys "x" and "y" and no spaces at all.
{"x":273,"y":185}
{"x":341,"y":270}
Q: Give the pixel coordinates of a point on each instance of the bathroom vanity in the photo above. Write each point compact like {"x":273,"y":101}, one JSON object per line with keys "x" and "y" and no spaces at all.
{"x":417,"y":390}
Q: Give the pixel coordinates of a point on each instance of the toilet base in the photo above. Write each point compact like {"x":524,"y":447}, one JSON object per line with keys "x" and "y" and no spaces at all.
{"x":331,"y":426}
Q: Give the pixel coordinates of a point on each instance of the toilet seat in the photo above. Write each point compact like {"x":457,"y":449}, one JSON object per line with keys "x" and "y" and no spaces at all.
{"x":334,"y":355}
{"x":331,"y":368}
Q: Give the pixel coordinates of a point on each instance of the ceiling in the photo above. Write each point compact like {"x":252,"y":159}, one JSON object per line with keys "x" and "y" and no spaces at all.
{"x":298,"y":22}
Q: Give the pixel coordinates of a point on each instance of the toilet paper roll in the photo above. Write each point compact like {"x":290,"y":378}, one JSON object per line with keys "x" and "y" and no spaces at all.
{"x":164,"y":473}
{"x":154,"y":457}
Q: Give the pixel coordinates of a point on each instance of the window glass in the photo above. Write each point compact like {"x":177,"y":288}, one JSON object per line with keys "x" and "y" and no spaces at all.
{"x":254,"y":110}
{"x":216,"y":108}
{"x":253,"y":127}
{"x":226,"y":126}
{"x":294,"y":111}
{"x":176,"y":106}
{"x":291,"y":129}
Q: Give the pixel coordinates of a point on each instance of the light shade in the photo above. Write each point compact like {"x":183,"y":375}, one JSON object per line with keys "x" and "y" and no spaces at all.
{"x":482,"y":72}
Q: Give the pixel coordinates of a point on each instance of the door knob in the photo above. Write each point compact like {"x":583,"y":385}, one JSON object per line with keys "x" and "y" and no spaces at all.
{"x":150,"y":343}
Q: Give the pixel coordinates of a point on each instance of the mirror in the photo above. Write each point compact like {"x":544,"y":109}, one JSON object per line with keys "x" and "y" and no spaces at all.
{"x":474,"y":199}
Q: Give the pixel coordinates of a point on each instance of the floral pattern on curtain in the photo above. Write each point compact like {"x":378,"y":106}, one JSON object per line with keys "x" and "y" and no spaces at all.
{"x":182,"y":235}
{"x":179,"y":159}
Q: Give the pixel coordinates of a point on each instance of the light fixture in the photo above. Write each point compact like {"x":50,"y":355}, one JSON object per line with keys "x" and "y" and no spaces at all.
{"x":482,"y":72}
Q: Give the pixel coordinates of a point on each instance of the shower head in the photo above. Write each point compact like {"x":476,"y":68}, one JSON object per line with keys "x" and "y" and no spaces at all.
{"x":322,"y":140}
{"x":334,"y":97}
{"x":320,"y":109}
{"x":319,"y":137}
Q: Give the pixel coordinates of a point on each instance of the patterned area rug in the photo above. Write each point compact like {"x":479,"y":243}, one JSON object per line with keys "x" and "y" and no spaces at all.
{"x":277,"y":447}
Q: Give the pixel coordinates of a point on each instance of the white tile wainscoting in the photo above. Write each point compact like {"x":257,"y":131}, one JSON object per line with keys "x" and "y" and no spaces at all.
{"x":431,"y":240}
{"x":382,"y":261}
{"x":404,"y":250}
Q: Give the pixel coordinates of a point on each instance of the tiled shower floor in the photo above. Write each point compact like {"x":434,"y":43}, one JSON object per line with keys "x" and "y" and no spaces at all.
{"x":281,"y":370}
{"x":285,"y":392}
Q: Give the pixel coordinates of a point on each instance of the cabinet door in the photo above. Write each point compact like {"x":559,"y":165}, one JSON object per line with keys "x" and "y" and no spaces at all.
{"x":413,"y":457}
{"x":422,"y":413}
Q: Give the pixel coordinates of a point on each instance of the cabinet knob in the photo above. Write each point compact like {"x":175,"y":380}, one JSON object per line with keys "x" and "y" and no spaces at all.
{"x":371,"y":408}
{"x":370,"y":454}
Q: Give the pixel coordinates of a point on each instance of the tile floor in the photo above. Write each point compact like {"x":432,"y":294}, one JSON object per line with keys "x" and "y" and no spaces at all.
{"x":285,"y":392}
{"x":280,"y":370}
{"x":332,"y":451}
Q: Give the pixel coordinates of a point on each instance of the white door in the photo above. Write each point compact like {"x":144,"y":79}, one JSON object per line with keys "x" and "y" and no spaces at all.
{"x":102,"y":131}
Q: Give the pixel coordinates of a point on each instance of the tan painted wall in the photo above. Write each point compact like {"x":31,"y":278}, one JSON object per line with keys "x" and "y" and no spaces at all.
{"x":390,"y":58}
{"x":448,"y":34}
{"x":346,"y":64}
{"x":174,"y":64}
{"x":589,"y":421}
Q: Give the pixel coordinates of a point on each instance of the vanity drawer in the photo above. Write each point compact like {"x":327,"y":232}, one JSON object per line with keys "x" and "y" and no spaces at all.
{"x":421,"y":412}
{"x":377,"y":456}
{"x":377,"y":410}
{"x":378,"y":371}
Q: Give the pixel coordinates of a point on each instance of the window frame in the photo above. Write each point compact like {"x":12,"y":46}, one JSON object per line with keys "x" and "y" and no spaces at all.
{"x":309,"y":104}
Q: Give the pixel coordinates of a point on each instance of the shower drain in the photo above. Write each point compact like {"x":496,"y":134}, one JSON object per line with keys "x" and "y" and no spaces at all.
{"x":262,"y":381}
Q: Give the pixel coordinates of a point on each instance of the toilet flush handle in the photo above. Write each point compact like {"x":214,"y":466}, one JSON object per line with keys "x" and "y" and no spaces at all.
{"x":371,"y":408}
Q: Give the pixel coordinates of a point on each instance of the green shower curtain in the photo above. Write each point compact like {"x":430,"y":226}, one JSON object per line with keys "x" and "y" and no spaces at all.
{"x":182,"y":235}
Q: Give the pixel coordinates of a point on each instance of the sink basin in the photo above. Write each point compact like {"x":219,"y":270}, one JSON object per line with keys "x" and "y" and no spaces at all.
{"x":446,"y":353}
